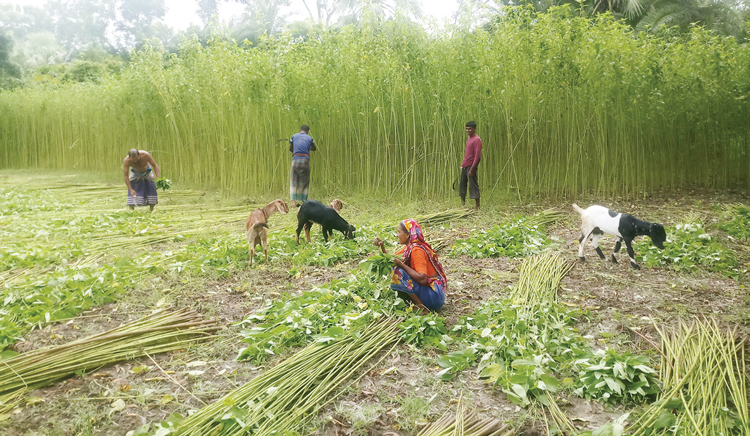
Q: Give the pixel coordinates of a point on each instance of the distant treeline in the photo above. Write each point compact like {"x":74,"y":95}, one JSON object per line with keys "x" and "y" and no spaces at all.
{"x":564,"y":105}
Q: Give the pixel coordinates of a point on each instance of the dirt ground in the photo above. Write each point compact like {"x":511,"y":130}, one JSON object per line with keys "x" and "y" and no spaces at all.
{"x":401,"y":394}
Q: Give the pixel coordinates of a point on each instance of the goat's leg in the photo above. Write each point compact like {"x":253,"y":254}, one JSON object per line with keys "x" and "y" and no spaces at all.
{"x":299,"y":229}
{"x":252,"y":252}
{"x":264,"y":242}
{"x":595,"y":243}
{"x":617,"y":250}
{"x":631,"y":253}
{"x":308,"y":226}
{"x":584,"y":237}
{"x":252,"y":249}
{"x":325,"y":234}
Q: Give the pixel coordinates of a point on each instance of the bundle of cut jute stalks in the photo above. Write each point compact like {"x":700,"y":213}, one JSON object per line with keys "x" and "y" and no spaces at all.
{"x":157,"y":333}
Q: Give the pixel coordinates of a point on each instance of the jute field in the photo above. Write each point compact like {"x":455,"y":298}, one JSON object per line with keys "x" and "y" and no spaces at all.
{"x":119,"y":322}
{"x":529,"y":356}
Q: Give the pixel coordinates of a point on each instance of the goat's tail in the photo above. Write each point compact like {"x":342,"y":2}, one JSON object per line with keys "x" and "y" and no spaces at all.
{"x":249,"y":226}
{"x":578,"y":209}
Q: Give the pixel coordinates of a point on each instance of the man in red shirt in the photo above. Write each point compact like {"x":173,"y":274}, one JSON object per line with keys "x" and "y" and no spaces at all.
{"x":472,"y":156}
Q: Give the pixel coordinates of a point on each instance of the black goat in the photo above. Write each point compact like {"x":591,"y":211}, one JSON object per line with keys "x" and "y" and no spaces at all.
{"x":313,"y":211}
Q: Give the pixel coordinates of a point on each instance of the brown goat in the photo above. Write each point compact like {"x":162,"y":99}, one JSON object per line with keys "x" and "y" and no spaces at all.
{"x":337,"y":205}
{"x":257,"y":223}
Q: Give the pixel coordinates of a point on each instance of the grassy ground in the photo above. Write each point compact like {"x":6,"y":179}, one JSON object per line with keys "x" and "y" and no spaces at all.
{"x":190,"y":253}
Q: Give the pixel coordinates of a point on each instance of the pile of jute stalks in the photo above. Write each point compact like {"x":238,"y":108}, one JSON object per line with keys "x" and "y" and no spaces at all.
{"x":704,"y":388}
{"x":157,"y":333}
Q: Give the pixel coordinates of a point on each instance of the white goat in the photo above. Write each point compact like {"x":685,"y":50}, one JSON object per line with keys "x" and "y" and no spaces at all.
{"x":598,"y":220}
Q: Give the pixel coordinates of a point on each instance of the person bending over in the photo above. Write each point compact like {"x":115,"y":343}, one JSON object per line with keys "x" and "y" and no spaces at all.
{"x":419,"y":277}
{"x":140,"y":180}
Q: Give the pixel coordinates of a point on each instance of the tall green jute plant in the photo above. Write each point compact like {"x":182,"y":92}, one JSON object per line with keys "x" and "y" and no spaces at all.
{"x":560,"y":101}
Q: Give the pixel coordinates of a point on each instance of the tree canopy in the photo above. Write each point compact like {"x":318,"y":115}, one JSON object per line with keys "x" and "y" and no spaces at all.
{"x":63,"y":31}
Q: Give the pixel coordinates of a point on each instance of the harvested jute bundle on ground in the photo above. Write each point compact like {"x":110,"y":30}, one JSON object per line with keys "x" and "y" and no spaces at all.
{"x":704,"y":388}
{"x":442,"y":217}
{"x":281,"y":399}
{"x":547,"y":217}
{"x":159,"y":332}
{"x":539,"y":279}
{"x":465,"y":424}
{"x":441,"y":240}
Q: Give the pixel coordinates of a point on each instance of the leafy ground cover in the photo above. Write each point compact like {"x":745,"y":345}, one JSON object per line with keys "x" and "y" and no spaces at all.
{"x":736,"y":221}
{"x":518,"y":236}
{"x":193,"y":253}
{"x":689,"y":247}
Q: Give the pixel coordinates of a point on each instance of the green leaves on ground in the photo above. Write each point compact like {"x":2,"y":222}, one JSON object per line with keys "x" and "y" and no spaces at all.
{"x":526,"y":352}
{"x":521,"y":236}
{"x":428,"y":330}
{"x":524,"y":381}
{"x":515,"y":347}
{"x":55,"y":295}
{"x":327,"y":312}
{"x":688,"y":248}
{"x":616,"y":378}
{"x":319,"y":315}
{"x":455,"y":362}
{"x":739,"y":224}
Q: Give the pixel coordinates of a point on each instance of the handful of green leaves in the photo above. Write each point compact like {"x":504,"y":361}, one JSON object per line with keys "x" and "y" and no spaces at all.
{"x":377,"y":265}
{"x":163,"y":183}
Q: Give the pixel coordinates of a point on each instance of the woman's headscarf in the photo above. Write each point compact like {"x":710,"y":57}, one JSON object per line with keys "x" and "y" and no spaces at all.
{"x":416,"y":239}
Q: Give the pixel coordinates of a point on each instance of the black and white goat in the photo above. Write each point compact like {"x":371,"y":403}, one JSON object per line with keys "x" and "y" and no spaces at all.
{"x":598,"y":220}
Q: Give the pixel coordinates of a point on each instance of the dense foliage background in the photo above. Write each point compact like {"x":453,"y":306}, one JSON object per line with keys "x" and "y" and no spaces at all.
{"x":565,"y":103}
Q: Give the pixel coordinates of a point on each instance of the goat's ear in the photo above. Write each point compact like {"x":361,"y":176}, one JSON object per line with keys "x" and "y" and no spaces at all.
{"x":658,"y":229}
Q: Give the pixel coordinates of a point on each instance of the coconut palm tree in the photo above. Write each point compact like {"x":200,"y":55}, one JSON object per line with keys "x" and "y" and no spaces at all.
{"x":38,"y":49}
{"x":380,"y":9}
{"x":259,"y":17}
{"x":717,"y":15}
{"x":332,"y":11}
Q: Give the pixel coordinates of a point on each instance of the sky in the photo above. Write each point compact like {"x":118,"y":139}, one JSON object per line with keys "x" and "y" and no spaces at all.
{"x":182,"y":13}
